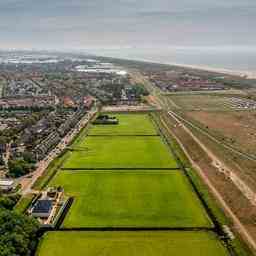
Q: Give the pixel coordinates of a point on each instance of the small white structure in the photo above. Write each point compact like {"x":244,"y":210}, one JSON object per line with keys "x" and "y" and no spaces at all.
{"x":6,"y":185}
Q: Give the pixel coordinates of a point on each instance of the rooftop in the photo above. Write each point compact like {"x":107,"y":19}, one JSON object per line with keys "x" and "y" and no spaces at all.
{"x":42,"y":206}
{"x":6,"y":182}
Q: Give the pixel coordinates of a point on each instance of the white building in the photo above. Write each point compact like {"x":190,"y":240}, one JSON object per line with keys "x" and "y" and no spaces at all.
{"x":7,"y":185}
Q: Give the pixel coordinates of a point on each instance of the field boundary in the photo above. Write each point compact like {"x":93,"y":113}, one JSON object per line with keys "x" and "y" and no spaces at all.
{"x":123,"y":135}
{"x":64,"y":213}
{"x":121,"y":168}
{"x":188,"y":229}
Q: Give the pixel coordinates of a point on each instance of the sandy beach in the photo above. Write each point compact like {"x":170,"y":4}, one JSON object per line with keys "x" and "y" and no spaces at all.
{"x":248,"y":74}
{"x":242,"y":73}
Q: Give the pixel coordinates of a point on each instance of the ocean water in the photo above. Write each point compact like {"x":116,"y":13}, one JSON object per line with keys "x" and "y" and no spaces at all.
{"x":241,"y":59}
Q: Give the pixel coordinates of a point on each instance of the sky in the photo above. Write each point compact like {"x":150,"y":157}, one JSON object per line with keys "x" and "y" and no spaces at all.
{"x":126,"y":24}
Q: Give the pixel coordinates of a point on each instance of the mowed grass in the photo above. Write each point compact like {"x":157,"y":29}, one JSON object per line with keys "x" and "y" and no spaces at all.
{"x":129,"y":124}
{"x":130,"y":199}
{"x":121,"y":152}
{"x":131,"y":244}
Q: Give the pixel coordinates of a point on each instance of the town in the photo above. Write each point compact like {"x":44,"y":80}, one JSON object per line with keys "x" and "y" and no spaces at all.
{"x":43,"y":99}
{"x":99,"y":144}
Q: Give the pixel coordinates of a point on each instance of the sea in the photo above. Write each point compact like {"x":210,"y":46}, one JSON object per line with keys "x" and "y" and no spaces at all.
{"x":229,"y":59}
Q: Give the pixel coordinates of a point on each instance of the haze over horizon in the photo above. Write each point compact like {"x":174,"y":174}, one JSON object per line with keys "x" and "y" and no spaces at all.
{"x":81,"y":24}
{"x":136,"y":28}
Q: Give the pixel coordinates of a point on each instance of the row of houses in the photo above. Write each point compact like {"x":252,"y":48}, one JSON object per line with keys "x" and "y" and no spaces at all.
{"x":31,"y":102}
{"x":46,"y":145}
{"x":71,"y":122}
{"x":55,"y":137}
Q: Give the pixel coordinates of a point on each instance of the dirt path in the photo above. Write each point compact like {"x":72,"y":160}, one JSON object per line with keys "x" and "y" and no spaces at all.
{"x":240,"y":153}
{"x":238,"y":182}
{"x":239,"y":226}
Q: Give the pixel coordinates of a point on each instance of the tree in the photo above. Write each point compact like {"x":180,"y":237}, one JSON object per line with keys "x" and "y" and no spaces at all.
{"x":29,"y":157}
{"x":18,"y":167}
{"x":18,"y":234}
{"x":8,"y":202}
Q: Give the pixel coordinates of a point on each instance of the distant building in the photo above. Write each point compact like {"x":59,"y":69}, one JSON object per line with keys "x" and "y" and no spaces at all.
{"x":88,"y":101}
{"x":7,"y":185}
{"x":42,"y":208}
{"x":105,"y":119}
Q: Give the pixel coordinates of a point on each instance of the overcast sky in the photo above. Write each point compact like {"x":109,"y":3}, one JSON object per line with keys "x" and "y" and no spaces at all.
{"x":81,"y":24}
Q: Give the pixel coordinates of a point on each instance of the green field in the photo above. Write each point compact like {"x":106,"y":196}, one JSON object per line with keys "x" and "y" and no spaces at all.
{"x":131,"y":199}
{"x":121,"y":152}
{"x":24,"y":203}
{"x":131,"y":244}
{"x":148,"y":195}
{"x":129,"y":124}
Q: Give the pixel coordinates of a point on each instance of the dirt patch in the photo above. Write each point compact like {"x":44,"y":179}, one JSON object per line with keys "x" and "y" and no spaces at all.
{"x":232,"y":195}
{"x":236,"y":128}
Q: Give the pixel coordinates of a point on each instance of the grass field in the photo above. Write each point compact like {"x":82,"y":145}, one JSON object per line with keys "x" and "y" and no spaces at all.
{"x":129,"y":124}
{"x":131,"y":244}
{"x":131,"y":199}
{"x":23,"y":203}
{"x":121,"y":152}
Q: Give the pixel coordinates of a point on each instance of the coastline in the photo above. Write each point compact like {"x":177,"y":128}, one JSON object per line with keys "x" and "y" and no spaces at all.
{"x":248,"y":74}
{"x":244,"y":74}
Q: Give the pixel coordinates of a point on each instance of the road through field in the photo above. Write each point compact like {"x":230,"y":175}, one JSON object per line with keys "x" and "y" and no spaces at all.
{"x":241,"y":229}
{"x":240,"y":184}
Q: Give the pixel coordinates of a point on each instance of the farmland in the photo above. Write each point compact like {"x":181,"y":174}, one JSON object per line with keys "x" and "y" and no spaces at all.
{"x":237,"y":127}
{"x":232,"y":126}
{"x":210,"y":102}
{"x":125,"y":177}
{"x":120,"y":152}
{"x":131,"y":243}
{"x":195,"y":102}
{"x":131,"y":199}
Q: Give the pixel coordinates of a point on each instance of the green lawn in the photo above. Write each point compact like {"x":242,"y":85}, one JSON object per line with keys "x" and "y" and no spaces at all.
{"x":24,"y":203}
{"x":131,"y":244}
{"x":129,"y":124}
{"x":131,"y":199}
{"x":121,"y":152}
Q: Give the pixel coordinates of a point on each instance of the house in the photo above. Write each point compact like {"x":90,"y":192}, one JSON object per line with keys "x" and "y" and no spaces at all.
{"x":42,"y":208}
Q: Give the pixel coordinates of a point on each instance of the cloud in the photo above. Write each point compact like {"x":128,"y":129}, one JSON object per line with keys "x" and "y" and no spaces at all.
{"x":127,"y":22}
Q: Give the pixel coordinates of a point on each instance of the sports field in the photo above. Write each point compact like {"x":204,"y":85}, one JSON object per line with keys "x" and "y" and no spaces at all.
{"x":120,"y":177}
{"x":131,"y":244}
{"x":120,"y":152}
{"x":130,"y":199}
{"x":129,"y":124}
